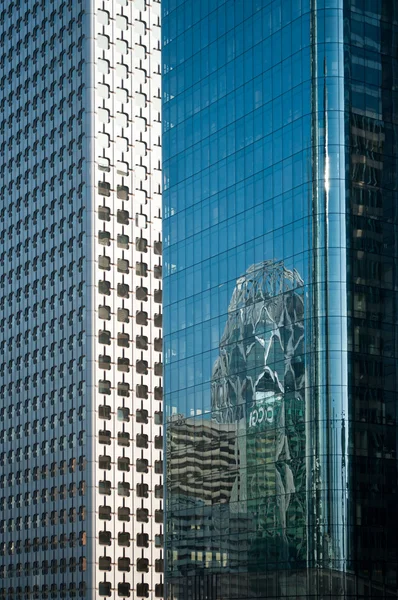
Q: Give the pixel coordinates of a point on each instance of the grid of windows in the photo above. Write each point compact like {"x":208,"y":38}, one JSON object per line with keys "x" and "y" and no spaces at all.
{"x":43,"y":301}
{"x":81,"y":471}
{"x":128,"y":300}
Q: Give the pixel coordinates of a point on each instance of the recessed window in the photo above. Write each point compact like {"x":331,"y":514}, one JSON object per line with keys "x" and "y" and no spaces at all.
{"x":141,"y":440}
{"x":141,"y":244}
{"x":121,"y":95}
{"x":123,"y":364}
{"x":104,"y":436}
{"x":122,"y":168}
{"x":123,"y":513}
{"x":104,"y":361}
{"x":123,"y":241}
{"x":104,"y":386}
{"x":121,"y":71}
{"x":104,"y":336}
{"x":104,"y":563}
{"x":104,"y":589}
{"x":123,"y":564}
{"x":103,"y":41}
{"x":142,"y":490}
{"x":157,"y":248}
{"x":104,"y":188}
{"x":104,"y":262}
{"x":123,"y":340}
{"x":123,"y":438}
{"x":123,"y":488}
{"x":142,"y":590}
{"x":103,"y":140}
{"x":121,"y":46}
{"x":141,"y":269}
{"x":104,"y":412}
{"x":104,"y":287}
{"x":104,"y":462}
{"x":141,"y":342}
{"x":123,"y":590}
{"x":142,"y":565}
{"x":123,"y":290}
{"x":103,"y":66}
{"x":122,"y":192}
{"x":142,"y":515}
{"x":104,"y":238}
{"x":122,"y":217}
{"x":103,"y":163}
{"x":123,"y":538}
{"x":123,"y":389}
{"x":122,"y":265}
{"x":103,"y":17}
{"x":141,"y":293}
{"x":142,"y":465}
{"x":121,"y":119}
{"x":104,"y":312}
{"x":123,"y":315}
{"x":159,"y":491}
{"x":104,"y":513}
{"x":142,"y":391}
{"x":103,"y":115}
{"x":141,"y":367}
{"x":143,"y":540}
{"x":104,"y":213}
{"x":123,"y":414}
{"x":123,"y":463}
{"x":141,"y":415}
{"x":159,"y":516}
{"x":121,"y":22}
{"x":104,"y":487}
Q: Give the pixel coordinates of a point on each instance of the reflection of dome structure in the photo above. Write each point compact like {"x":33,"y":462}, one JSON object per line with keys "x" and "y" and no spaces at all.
{"x":261,"y":347}
{"x":258,"y":383}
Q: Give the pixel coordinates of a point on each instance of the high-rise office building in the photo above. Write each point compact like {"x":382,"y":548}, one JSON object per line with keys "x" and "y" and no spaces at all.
{"x":280,"y":308}
{"x":81,"y":320}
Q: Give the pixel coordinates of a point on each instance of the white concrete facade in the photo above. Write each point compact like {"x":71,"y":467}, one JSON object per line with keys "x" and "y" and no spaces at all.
{"x":127,"y":442}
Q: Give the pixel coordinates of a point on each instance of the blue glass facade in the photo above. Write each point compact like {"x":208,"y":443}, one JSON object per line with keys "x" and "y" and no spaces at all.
{"x":279,"y":187}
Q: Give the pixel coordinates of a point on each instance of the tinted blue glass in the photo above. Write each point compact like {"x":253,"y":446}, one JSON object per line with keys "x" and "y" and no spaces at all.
{"x":279,"y":131}
{"x":237,"y":233}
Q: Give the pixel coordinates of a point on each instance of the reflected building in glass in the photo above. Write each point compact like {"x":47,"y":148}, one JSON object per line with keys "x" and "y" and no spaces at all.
{"x":280,"y":194}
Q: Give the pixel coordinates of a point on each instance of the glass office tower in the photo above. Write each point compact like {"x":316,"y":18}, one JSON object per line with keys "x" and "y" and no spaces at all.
{"x":81,"y":468}
{"x":280,"y":195}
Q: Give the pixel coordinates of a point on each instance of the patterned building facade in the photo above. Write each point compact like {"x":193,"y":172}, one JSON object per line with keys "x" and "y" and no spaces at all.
{"x":81,"y":471}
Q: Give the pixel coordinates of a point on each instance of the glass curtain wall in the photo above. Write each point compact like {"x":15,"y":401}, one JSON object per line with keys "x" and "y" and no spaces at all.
{"x":371,"y":134}
{"x":264,"y":170}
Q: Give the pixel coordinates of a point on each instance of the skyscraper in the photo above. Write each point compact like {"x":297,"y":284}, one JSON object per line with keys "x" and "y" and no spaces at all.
{"x":81,"y":320}
{"x":280,"y":194}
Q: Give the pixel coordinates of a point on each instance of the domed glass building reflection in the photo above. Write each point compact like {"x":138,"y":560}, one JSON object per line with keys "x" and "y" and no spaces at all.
{"x":258,"y":383}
